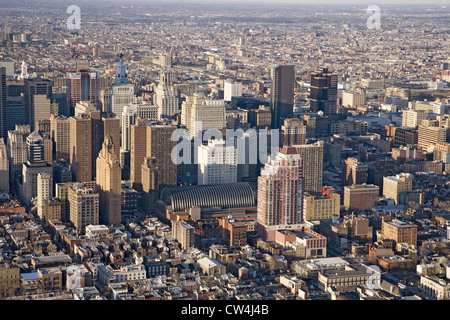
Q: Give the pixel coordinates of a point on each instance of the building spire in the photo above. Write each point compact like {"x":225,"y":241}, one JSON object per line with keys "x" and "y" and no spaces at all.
{"x":121,"y":76}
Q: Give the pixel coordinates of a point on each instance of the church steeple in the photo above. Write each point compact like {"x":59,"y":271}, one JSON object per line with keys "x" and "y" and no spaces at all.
{"x":121,"y":76}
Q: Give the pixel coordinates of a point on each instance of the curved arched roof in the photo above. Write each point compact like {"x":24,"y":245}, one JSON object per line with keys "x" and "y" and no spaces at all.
{"x":230,"y":195}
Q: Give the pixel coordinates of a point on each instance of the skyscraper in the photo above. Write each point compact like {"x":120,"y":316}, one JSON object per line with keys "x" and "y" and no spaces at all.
{"x":138,"y":151}
{"x":34,"y":165}
{"x":43,"y":89}
{"x":4,"y":167}
{"x":122,"y":92}
{"x":3,"y":114}
{"x":323,"y":96}
{"x":217,"y":163}
{"x":354,"y":172}
{"x":81,"y":140}
{"x":108,"y":179}
{"x":60,"y":133}
{"x":280,"y":193}
{"x":150,"y":184}
{"x":44,"y":191}
{"x":83,"y":85}
{"x":83,"y":206}
{"x":293,"y":132}
{"x":166,"y":95}
{"x":281,"y":93}
{"x":312,"y":161}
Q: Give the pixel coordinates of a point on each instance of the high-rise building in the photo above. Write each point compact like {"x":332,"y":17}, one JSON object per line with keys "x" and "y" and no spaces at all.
{"x":17,"y":148}
{"x":293,"y":132}
{"x":361,"y":196}
{"x":394,"y":185}
{"x":323,"y":95}
{"x":108,"y":179}
{"x":354,"y":172}
{"x":166,"y":96}
{"x":122,"y":92}
{"x":413,"y":118}
{"x":184,"y":233}
{"x":399,"y":231}
{"x":4,"y":167}
{"x":217,"y":163}
{"x":200,"y":113}
{"x":429,"y":136}
{"x":312,"y":162}
{"x":232,"y":89}
{"x":138,"y":151}
{"x":44,"y":191}
{"x":160,"y":146}
{"x":281,"y":93}
{"x":43,"y":88}
{"x":60,"y":133}
{"x":84,"y":206}
{"x":128,"y":119}
{"x":150,"y":184}
{"x":81,"y":139}
{"x":3,"y":112}
{"x":280,"y":193}
{"x":34,"y":165}
{"x":83,"y":85}
{"x":321,"y":207}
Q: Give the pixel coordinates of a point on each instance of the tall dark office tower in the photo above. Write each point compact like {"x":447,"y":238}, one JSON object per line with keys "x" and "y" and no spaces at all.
{"x":3,"y":129}
{"x":33,"y":87}
{"x":323,"y":91}
{"x":281,"y":93}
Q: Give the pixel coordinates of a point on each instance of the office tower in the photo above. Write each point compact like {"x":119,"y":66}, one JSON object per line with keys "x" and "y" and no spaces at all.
{"x":147,"y":111}
{"x":60,"y":133}
{"x":48,"y":148}
{"x":84,"y":206}
{"x":43,"y":89}
{"x":293,"y":132}
{"x":394,"y":185}
{"x":17,"y":148}
{"x":429,"y":136}
{"x":321,"y":207}
{"x":44,"y":191}
{"x":108,"y":179}
{"x":354,"y":172}
{"x":138,"y":151}
{"x":111,"y":128}
{"x":399,"y":231}
{"x":413,"y":118}
{"x":217,"y":163}
{"x":122,"y":92}
{"x":3,"y":112}
{"x":165,"y":59}
{"x":323,"y":96}
{"x":232,"y":89}
{"x":81,"y":140}
{"x":128,"y":119}
{"x":83,"y":85}
{"x":42,"y":106}
{"x":281,"y":93}
{"x":4,"y":168}
{"x":105,"y":99}
{"x":361,"y":196}
{"x":247,"y":156}
{"x":166,"y":100}
{"x":34,"y":165}
{"x":353,"y":98}
{"x":260,"y":118}
{"x":184,"y":233}
{"x":60,"y":96}
{"x":312,"y":162}
{"x":280,"y":193}
{"x":150,"y":184}
{"x":160,"y":146}
{"x":200,"y":113}
{"x":84,"y":107}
